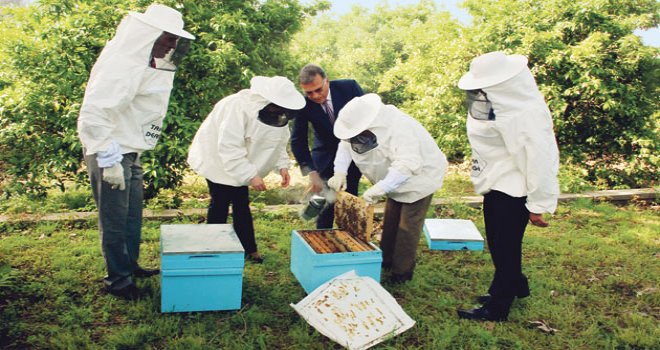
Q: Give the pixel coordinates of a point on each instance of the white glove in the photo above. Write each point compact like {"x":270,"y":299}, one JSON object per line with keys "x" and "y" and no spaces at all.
{"x":337,"y":182}
{"x":114,"y":175}
{"x":373,"y":194}
{"x":111,"y":156}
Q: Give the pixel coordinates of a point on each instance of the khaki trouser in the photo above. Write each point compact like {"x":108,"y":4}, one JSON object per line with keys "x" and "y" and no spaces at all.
{"x":402,"y":227}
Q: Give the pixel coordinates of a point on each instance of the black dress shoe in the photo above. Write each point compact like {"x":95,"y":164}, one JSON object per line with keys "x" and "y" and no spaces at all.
{"x":142,"y":272}
{"x":482,"y":299}
{"x":130,"y":292}
{"x":255,"y":258}
{"x":481,"y":314}
{"x":397,"y":278}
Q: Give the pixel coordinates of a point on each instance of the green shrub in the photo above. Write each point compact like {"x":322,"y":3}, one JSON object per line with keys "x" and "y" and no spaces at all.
{"x":48,"y":49}
{"x":165,"y":199}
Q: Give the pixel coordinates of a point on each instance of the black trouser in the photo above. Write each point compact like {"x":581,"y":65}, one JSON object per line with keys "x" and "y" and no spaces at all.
{"x":327,"y":216}
{"x":506,"y":218}
{"x":221,"y":197}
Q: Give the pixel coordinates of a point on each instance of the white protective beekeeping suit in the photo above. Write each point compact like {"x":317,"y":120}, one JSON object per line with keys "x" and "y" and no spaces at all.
{"x":126,"y":99}
{"x":232,"y":146}
{"x":516,"y":153}
{"x":407,"y":163}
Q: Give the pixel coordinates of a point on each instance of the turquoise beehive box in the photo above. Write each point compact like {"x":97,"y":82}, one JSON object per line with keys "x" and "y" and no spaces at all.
{"x":312,"y":268}
{"x":452,"y":234}
{"x":201,"y":268}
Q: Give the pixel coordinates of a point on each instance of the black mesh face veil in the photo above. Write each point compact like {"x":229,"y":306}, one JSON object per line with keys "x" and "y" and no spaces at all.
{"x":168,"y":51}
{"x":275,"y":115}
{"x":364,"y":142}
{"x":478,"y":105}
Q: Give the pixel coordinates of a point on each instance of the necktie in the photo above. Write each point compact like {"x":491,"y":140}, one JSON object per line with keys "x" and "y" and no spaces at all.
{"x":328,"y":110}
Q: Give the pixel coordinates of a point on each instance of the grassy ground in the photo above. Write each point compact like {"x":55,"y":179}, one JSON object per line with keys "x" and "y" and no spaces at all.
{"x":594,"y":276}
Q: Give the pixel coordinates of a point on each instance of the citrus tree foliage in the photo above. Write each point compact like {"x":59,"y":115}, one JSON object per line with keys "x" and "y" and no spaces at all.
{"x":47,"y":52}
{"x":361,"y":44}
{"x":600,"y":81}
{"x":410,"y":55}
{"x":425,"y":82}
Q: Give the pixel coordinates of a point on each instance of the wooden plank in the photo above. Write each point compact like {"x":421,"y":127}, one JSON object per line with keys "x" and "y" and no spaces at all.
{"x":645,"y":194}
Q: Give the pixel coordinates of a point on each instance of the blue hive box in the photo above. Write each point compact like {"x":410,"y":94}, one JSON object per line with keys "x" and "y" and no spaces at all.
{"x":201,"y":268}
{"x":452,"y":234}
{"x":313,"y":268}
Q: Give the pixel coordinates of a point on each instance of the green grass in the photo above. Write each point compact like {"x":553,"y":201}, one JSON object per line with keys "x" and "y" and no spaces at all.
{"x":594,"y":276}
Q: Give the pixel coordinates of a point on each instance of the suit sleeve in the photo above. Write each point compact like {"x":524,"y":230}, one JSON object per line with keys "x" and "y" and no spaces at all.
{"x":300,"y":143}
{"x":357,"y":89}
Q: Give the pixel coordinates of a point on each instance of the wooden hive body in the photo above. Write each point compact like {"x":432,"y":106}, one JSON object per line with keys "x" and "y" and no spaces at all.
{"x":355,"y":222}
{"x":319,"y":255}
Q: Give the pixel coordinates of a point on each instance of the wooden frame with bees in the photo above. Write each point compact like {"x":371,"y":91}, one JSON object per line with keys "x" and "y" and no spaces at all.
{"x":320,"y":255}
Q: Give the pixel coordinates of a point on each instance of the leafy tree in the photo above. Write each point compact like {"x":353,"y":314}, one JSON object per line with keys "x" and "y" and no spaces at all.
{"x":47,"y":51}
{"x":361,"y":45}
{"x":426,"y":80}
{"x":410,"y":55}
{"x":600,"y":81}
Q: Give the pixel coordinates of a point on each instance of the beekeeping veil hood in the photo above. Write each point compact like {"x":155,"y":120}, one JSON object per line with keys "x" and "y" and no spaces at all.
{"x":526,"y":144}
{"x":128,"y":91}
{"x":511,"y":89}
{"x":154,"y":38}
{"x":403,"y":160}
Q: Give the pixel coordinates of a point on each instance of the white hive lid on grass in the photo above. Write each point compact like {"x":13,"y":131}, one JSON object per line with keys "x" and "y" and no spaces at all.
{"x":356,"y":312}
{"x":452,"y":230}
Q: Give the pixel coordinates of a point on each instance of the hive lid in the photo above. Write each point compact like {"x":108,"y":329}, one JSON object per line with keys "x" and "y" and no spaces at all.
{"x":452,"y":230}
{"x":354,"y":215}
{"x":199,"y":239}
{"x":354,"y":311}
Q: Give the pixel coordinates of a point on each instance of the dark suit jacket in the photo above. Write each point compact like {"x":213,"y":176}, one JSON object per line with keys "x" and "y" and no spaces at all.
{"x":322,"y":155}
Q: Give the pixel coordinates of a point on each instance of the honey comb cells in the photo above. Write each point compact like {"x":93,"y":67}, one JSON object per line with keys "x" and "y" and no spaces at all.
{"x":354,"y":217}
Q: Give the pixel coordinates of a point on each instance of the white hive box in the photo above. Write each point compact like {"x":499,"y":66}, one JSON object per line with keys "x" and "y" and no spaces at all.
{"x":452,"y":234}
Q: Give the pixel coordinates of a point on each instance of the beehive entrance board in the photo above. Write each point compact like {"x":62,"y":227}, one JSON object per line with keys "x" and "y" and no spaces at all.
{"x":355,"y":219}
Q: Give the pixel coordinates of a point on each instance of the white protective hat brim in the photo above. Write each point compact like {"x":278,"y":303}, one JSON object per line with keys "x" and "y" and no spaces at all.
{"x":491,"y":69}
{"x":164,"y":18}
{"x":357,"y":115}
{"x":278,"y":90}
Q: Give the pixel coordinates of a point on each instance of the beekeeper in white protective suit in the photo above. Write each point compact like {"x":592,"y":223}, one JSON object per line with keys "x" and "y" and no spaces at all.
{"x":515,"y":163}
{"x":404,"y":163}
{"x":240,"y":142}
{"x":122,"y":116}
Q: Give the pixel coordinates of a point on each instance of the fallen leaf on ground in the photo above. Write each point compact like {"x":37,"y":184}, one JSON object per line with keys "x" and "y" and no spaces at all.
{"x":649,"y":290}
{"x":543,"y":326}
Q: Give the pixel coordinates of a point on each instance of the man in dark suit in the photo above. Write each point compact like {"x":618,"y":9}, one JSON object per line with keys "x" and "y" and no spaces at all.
{"x":324,"y":99}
